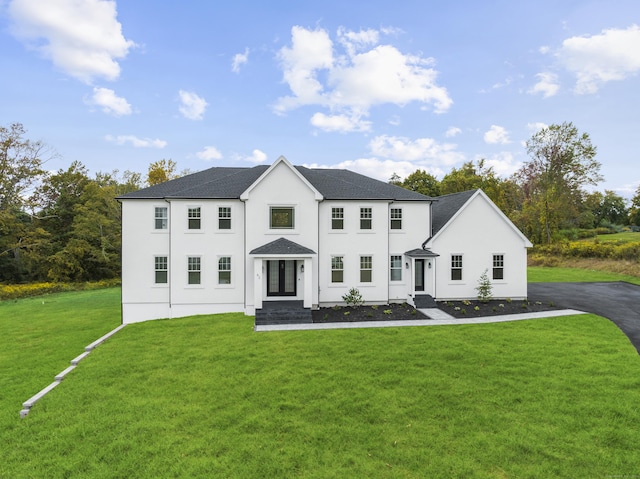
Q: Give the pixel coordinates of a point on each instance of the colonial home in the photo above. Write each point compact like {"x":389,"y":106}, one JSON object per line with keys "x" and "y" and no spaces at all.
{"x":239,"y":239}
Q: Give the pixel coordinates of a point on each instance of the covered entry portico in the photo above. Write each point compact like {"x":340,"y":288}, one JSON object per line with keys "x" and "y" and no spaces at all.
{"x":283,"y":272}
{"x":422,"y":263}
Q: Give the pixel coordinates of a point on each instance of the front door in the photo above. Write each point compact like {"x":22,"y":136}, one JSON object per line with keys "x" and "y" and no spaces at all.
{"x":419,"y":269}
{"x":281,"y":277}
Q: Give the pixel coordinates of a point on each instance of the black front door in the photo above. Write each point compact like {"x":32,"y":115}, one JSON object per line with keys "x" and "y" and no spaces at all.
{"x":281,"y":277}
{"x":419,"y":268}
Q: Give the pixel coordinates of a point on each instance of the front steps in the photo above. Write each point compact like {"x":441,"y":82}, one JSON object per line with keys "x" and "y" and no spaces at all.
{"x":424,"y":301}
{"x":283,"y":312}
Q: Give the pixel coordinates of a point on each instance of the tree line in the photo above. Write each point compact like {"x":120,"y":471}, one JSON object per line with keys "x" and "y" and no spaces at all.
{"x":64,"y":226}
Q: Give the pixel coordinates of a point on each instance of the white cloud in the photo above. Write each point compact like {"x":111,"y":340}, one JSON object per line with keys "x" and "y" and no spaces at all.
{"x":496,"y":134}
{"x":547,"y":85}
{"x":503,"y":163}
{"x":452,"y":131}
{"x":614,"y":54}
{"x":209,"y":153}
{"x":239,"y":59}
{"x":192,"y":106}
{"x":380,"y":169}
{"x":257,"y":156}
{"x":136,"y":142}
{"x":364,"y":75}
{"x":536,"y":127}
{"x":425,"y":150}
{"x":83,"y":38}
{"x":341,"y":123}
{"x":110,"y":103}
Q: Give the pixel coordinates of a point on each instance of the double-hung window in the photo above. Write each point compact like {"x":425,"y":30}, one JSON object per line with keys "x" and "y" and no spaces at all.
{"x":281,"y":217}
{"x":224,"y":270}
{"x":194,"y":270}
{"x":498,"y":266}
{"x":161,"y":270}
{"x":396,"y":268}
{"x":337,"y":218}
{"x":194,"y":218}
{"x":366,"y":216}
{"x":396,"y":218}
{"x":161,"y":218}
{"x":366,"y":268}
{"x":456,"y":267}
{"x":224,"y":218}
{"x":337,"y":269}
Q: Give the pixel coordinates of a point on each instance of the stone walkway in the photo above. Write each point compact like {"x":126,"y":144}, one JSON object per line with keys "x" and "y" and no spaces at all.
{"x":437,"y":318}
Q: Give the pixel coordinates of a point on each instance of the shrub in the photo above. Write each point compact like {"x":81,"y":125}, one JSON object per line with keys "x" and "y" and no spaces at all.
{"x":16,"y":291}
{"x":353,"y":298}
{"x":484,"y":288}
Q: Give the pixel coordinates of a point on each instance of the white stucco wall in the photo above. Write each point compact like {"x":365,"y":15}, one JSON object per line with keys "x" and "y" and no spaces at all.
{"x":478,"y":233}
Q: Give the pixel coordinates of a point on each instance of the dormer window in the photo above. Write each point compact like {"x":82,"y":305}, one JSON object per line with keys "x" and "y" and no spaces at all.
{"x":282,"y":217}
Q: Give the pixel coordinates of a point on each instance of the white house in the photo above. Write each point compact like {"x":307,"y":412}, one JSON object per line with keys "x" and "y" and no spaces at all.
{"x":240,"y":239}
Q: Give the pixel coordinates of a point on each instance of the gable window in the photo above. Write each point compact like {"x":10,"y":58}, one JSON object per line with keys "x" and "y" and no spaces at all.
{"x":224,"y":270}
{"x":456,"y":267}
{"x":498,"y":266}
{"x":162,"y":218}
{"x":193,"y":267}
{"x":366,"y":266}
{"x":396,"y":218}
{"x":194,"y":218}
{"x":281,"y":217}
{"x":396,"y":268}
{"x":365,"y":218}
{"x":161,"y":269}
{"x":337,"y":218}
{"x":337,"y":269}
{"x":224,"y":218}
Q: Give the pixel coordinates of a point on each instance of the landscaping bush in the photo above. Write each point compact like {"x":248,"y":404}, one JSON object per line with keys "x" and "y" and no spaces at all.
{"x":16,"y":291}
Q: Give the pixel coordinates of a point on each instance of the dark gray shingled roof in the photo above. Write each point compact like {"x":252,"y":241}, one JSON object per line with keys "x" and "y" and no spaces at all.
{"x":282,"y":246}
{"x":227,"y":183}
{"x":443,"y":209}
{"x":421,"y":253}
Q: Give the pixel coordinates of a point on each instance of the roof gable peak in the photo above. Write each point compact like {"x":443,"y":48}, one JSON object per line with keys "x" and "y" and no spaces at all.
{"x":281,"y":160}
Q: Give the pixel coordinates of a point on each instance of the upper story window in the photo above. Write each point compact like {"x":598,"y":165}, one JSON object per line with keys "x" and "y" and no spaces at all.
{"x":282,"y":217}
{"x":224,"y":218}
{"x":337,"y":269}
{"x":337,"y":218}
{"x":161,"y":217}
{"x":224,"y":270}
{"x":365,"y":218}
{"x":456,"y":267}
{"x":194,"y":218}
{"x":396,"y":218}
{"x":193,"y":268}
{"x":396,"y":268}
{"x":498,"y":266}
{"x":161,"y":269}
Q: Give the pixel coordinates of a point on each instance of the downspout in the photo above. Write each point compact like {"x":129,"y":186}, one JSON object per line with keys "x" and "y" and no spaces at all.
{"x":170,"y":265}
{"x":244,"y":254}
{"x":121,"y":250}
{"x":388,"y":250}
{"x":318,"y":257}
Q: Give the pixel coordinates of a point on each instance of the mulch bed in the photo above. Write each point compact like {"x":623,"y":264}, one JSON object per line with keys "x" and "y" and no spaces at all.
{"x":404,"y":312}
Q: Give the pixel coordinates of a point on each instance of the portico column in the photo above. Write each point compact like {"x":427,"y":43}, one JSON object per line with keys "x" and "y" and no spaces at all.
{"x":308,"y":283}
{"x":257,"y":283}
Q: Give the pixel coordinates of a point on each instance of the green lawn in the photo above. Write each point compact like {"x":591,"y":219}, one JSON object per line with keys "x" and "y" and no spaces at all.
{"x":628,"y":237}
{"x":208,"y":397}
{"x":537,"y":274}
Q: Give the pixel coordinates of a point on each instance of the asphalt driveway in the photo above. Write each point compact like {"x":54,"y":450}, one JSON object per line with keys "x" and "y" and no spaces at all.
{"x":617,"y":301}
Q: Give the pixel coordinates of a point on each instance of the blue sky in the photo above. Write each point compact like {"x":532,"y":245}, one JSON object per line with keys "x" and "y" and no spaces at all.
{"x":376,"y":87}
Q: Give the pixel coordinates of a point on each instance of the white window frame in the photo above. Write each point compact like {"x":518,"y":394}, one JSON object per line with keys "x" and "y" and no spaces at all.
{"x":397,"y":267}
{"x":366,"y":269}
{"x":194,"y":213}
{"x":366,"y":218}
{"x":190,"y":270}
{"x":457,"y":264}
{"x":282,"y":207}
{"x":337,"y":260}
{"x":395,"y":221}
{"x":226,"y":270}
{"x":337,"y":214}
{"x":164,"y":270}
{"x":164,"y":219}
{"x":222,"y":217}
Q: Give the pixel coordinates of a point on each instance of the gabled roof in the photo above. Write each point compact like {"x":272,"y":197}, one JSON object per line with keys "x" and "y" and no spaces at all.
{"x":284,"y":161}
{"x":231,"y":183}
{"x":445,"y":208}
{"x":282,"y":246}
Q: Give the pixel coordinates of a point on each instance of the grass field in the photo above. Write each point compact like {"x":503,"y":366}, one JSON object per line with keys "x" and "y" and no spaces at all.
{"x":208,"y":397}
{"x":537,"y":274}
{"x":627,"y":237}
